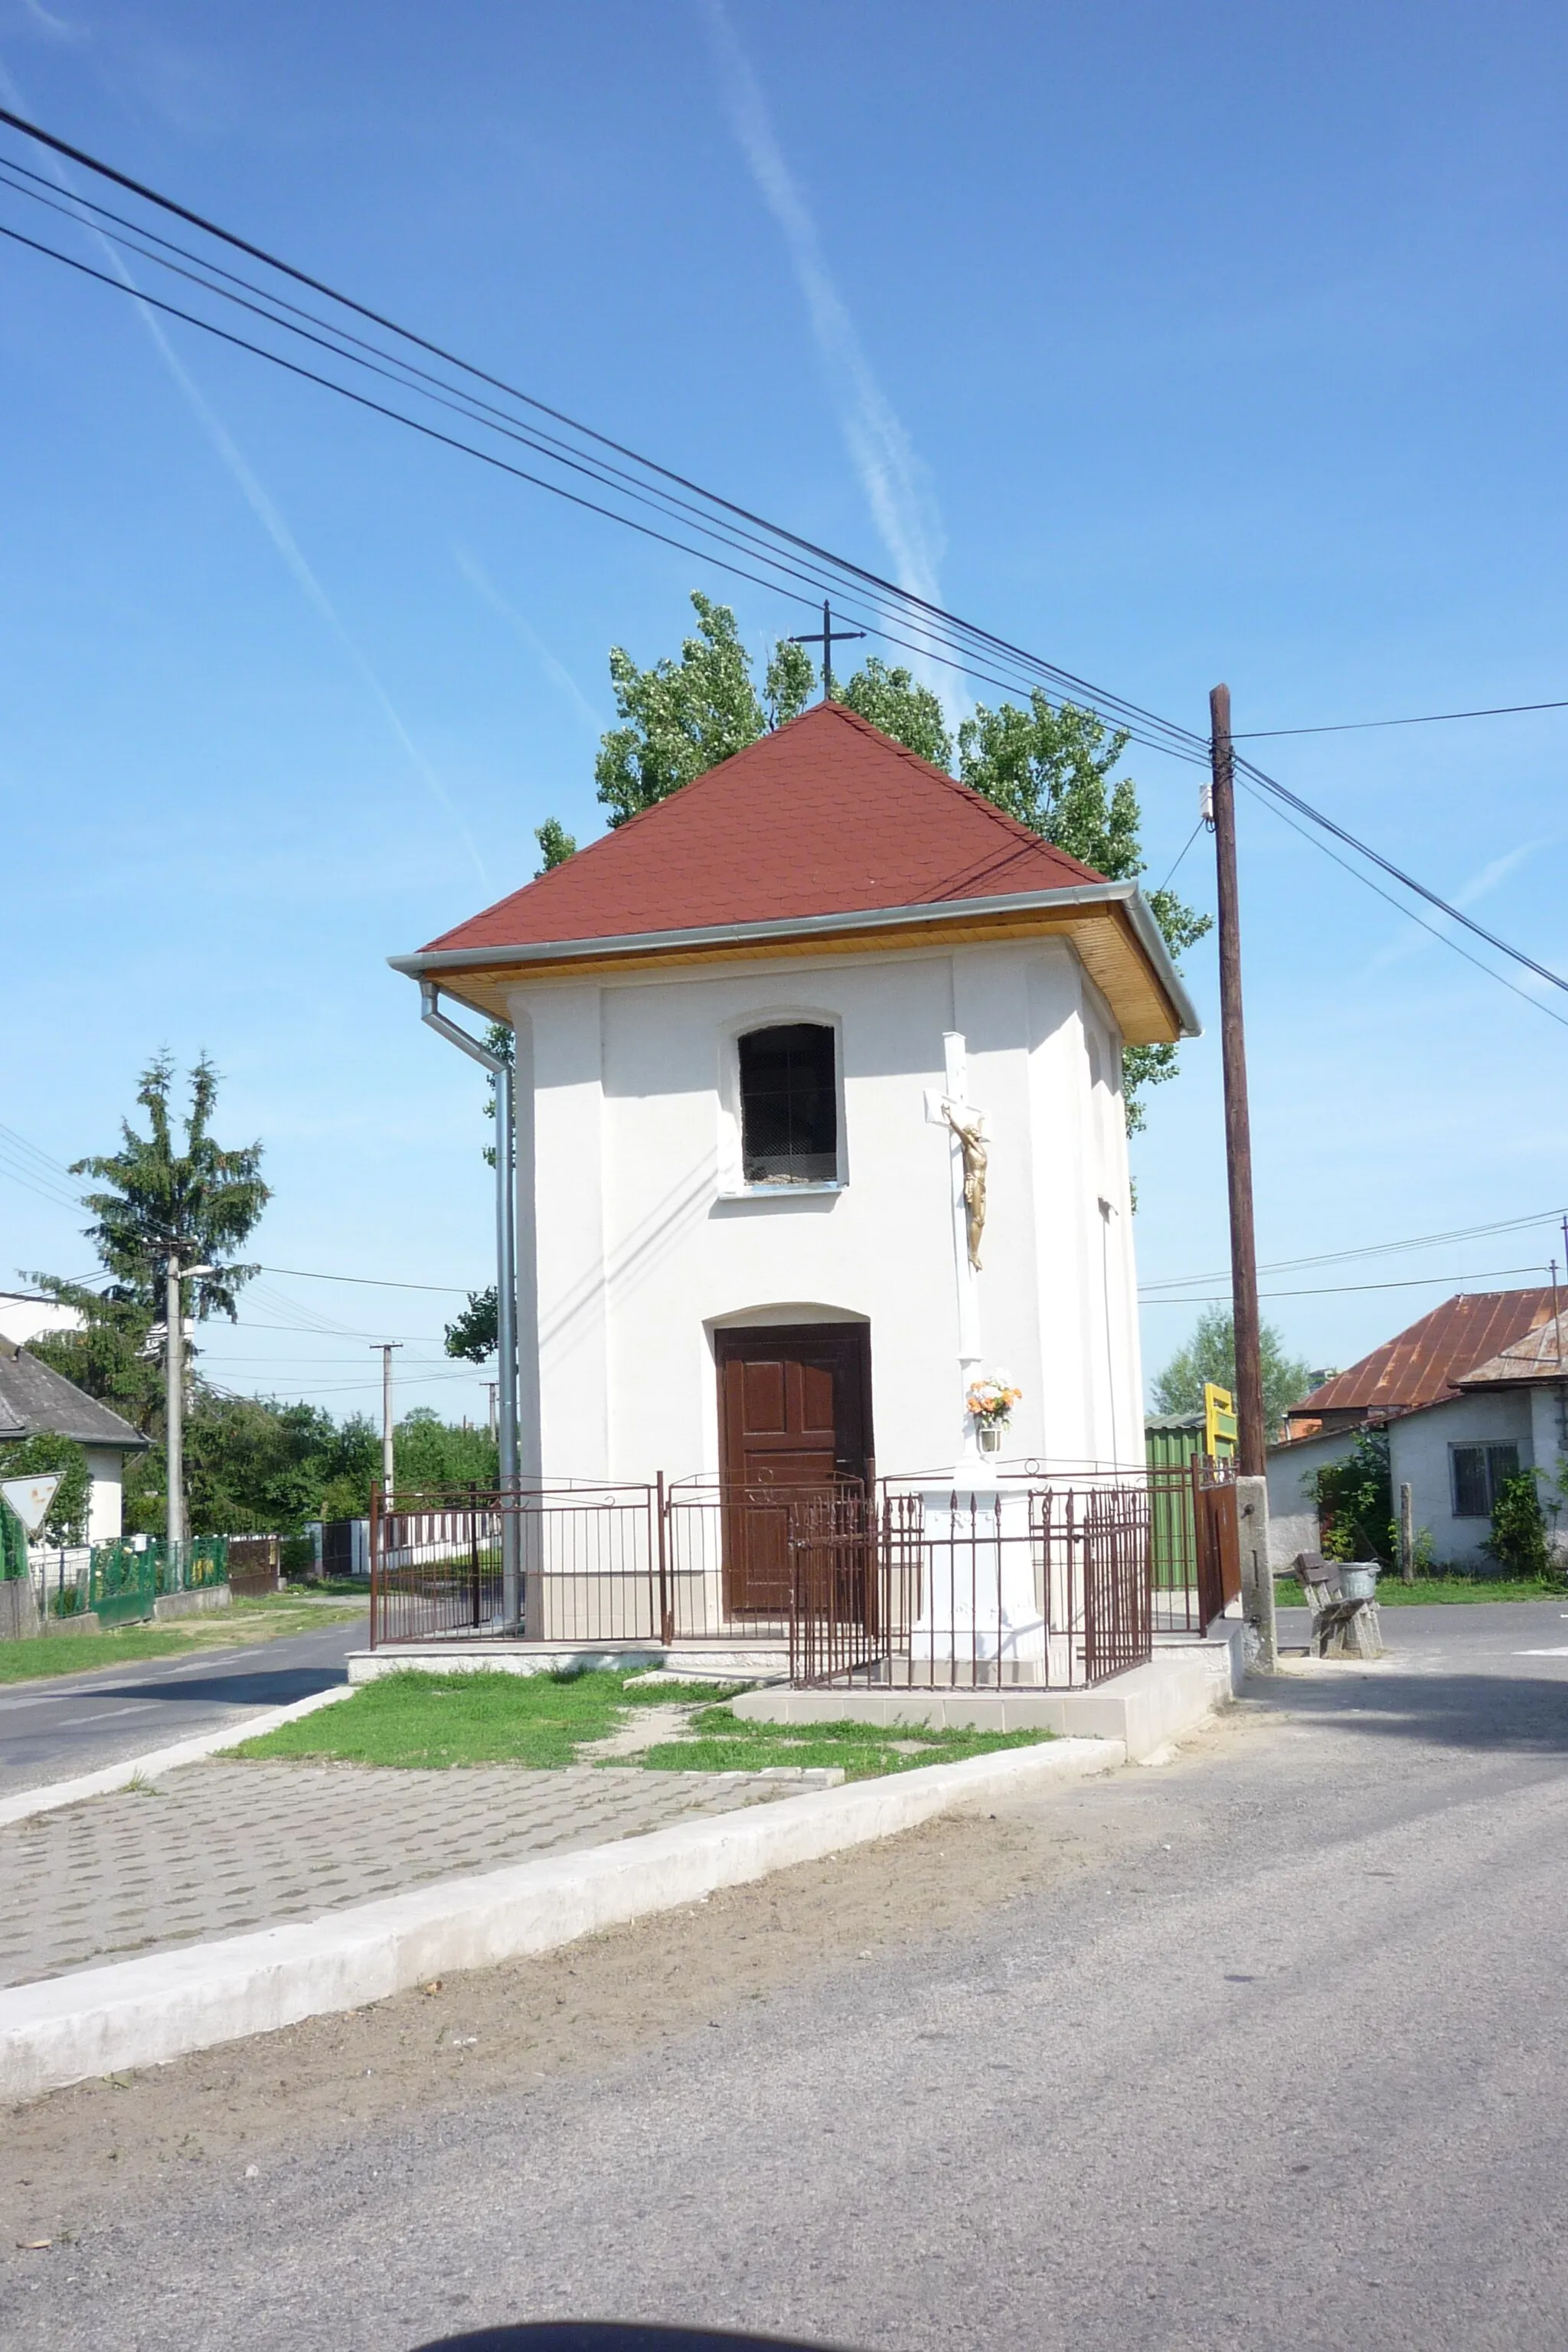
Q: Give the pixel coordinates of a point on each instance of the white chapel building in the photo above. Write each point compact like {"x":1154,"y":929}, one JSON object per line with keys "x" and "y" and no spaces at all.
{"x":750,"y":1025}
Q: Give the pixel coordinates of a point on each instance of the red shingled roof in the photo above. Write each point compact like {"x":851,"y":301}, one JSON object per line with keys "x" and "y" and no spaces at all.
{"x":1422,"y":1366}
{"x":828,"y":816}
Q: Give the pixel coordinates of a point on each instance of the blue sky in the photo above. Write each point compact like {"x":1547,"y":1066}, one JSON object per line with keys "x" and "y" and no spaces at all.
{"x":1176,"y":345}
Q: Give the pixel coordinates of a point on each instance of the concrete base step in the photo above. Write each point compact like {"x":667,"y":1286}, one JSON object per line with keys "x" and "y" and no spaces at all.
{"x":712,"y":1662}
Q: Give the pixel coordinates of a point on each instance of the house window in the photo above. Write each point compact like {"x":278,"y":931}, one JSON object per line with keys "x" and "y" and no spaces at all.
{"x":1479,"y":1472}
{"x":789,"y":1105}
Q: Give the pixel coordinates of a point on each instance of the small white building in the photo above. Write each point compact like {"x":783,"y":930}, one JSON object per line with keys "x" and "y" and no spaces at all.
{"x":36,"y":1401}
{"x":749,"y":1023}
{"x":1512,"y":1414}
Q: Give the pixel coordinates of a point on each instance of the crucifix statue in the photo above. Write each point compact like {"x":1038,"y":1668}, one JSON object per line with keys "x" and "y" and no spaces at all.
{"x":972,"y":1150}
{"x":969,"y":1152}
{"x":827,"y":636}
{"x":978,"y":1606}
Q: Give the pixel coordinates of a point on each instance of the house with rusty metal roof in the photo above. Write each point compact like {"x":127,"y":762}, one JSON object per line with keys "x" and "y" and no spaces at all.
{"x":1469,"y":1395}
{"x":1425,"y":1364}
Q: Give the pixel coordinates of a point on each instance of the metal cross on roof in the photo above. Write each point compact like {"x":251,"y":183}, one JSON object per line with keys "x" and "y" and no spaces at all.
{"x":826,"y":637}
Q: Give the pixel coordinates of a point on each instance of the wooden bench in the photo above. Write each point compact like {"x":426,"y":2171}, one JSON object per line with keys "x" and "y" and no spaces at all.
{"x":1340,"y":1628}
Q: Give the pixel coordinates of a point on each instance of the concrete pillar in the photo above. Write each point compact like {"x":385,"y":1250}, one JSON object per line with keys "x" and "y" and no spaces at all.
{"x":1257,"y":1575}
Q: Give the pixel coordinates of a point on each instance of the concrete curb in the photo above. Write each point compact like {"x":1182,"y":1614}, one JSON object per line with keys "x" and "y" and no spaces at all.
{"x":1145,"y":1708}
{"x":142,"y":2013}
{"x":109,"y":1777}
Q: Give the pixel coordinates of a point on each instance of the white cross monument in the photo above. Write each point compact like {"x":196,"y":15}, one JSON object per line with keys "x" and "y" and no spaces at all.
{"x":978,"y":1603}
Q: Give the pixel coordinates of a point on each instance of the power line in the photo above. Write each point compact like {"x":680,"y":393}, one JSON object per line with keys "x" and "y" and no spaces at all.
{"x":1408,"y":881}
{"x":396,"y":370}
{"x":1371,"y":1249}
{"x":870,"y":580}
{"x":1182,"y":853}
{"x":942,"y":637}
{"x":1339,"y":1289}
{"x":934,"y":624}
{"x":1423,"y":719}
{"x":1407,"y":913}
{"x":51,"y":1169}
{"x":371,"y":1281}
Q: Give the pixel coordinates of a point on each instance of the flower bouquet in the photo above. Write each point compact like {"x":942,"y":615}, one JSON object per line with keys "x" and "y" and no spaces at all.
{"x":991,"y":1402}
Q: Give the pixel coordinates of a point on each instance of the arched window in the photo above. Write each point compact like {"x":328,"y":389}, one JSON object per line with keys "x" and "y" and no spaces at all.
{"x":789,"y":1105}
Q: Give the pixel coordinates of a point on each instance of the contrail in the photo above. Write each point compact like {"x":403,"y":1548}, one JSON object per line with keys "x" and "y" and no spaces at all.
{"x":891,"y":474}
{"x":56,"y":27}
{"x":479,"y":578}
{"x":264,"y":508}
{"x":1497,"y":869}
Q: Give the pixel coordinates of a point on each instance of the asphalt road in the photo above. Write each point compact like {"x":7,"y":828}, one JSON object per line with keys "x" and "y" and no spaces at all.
{"x":1268,"y":2051}
{"x":75,"y":1723}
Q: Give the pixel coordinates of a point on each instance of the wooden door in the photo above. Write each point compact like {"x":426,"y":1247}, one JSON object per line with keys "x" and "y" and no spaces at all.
{"x":1218,"y":1529}
{"x":795,"y":1417}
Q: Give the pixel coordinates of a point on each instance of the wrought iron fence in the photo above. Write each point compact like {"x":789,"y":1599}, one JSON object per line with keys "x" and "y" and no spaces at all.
{"x":696,"y":1561}
{"x":909,"y":1585}
{"x":931,"y":1587}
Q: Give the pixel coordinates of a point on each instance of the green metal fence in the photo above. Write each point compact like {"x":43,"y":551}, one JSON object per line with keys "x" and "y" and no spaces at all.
{"x":185,"y":1568}
{"x":1171,"y":1439}
{"x":123,"y":1582}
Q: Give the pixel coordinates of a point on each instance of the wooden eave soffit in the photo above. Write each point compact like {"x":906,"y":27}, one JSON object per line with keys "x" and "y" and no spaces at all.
{"x":1104,"y":936}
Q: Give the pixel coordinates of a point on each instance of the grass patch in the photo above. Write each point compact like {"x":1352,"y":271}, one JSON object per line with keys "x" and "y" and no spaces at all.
{"x":724,"y":1742}
{"x":430,"y":1722}
{"x":418,"y":1721}
{"x":262,"y":1619}
{"x":1429,"y":1591}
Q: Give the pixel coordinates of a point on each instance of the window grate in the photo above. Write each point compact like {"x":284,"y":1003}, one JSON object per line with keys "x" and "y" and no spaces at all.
{"x":789,"y":1105}
{"x":1477,"y":1473}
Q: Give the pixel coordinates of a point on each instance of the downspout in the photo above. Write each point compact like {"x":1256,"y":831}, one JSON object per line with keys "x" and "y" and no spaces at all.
{"x":506,"y":1291}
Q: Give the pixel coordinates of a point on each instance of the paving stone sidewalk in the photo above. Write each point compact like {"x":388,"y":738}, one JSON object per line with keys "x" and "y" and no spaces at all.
{"x":219,"y":1848}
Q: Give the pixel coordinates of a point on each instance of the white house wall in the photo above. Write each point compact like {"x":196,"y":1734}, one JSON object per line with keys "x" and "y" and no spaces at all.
{"x":635,"y":1239}
{"x":1293,"y":1522}
{"x":1418,"y":1446}
{"x":105,"y":1467}
{"x":1549,"y":1445}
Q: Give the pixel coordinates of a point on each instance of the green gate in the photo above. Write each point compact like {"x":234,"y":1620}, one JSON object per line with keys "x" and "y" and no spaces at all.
{"x":123,"y":1583}
{"x":1171,"y":1440}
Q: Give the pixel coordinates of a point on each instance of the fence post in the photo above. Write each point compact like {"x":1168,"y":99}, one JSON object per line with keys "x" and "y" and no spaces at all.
{"x":377,"y":1586}
{"x":1406,"y":1535}
{"x":474,"y":1548}
{"x":666,"y":1613}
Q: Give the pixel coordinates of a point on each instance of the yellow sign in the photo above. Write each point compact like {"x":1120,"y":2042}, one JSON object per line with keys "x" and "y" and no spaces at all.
{"x":1219,"y":1422}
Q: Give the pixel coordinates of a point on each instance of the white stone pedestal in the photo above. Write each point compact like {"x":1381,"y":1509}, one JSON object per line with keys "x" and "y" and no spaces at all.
{"x":978,"y":1603}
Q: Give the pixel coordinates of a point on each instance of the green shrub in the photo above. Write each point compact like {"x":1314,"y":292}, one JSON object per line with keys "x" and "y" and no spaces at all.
{"x":1355,"y":1502}
{"x":1518,"y":1539}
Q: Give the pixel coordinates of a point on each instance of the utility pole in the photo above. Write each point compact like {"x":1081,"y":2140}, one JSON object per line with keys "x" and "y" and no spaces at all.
{"x":493,"y":1387}
{"x":174,"y":1402}
{"x":386,"y":1349}
{"x":1251,"y":1434}
{"x":827,"y":636}
{"x":174,"y":1278}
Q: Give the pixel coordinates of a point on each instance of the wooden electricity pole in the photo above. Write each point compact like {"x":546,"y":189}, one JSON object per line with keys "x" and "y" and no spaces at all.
{"x":1251,"y":1434}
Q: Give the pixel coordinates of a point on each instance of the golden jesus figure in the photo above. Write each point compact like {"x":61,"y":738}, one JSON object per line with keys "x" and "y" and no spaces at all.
{"x":972,"y":1143}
